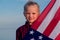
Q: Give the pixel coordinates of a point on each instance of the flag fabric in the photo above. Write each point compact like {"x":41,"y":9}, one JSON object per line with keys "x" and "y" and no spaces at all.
{"x":35,"y":35}
{"x":48,"y":22}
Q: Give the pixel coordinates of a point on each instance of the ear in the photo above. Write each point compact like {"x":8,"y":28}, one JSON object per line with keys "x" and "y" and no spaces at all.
{"x":24,"y":13}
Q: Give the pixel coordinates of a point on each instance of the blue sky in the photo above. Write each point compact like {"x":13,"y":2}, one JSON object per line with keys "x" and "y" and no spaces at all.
{"x":11,"y":16}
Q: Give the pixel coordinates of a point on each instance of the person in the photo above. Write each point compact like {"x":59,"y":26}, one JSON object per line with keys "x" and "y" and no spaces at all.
{"x":31,"y":13}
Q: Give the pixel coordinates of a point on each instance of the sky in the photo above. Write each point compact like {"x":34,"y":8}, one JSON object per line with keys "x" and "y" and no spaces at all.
{"x":11,"y":16}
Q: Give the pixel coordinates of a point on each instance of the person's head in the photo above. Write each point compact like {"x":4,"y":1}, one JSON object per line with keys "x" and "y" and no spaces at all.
{"x":31,"y":11}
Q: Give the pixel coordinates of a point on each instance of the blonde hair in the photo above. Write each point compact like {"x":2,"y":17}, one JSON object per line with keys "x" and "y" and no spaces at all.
{"x":29,"y":3}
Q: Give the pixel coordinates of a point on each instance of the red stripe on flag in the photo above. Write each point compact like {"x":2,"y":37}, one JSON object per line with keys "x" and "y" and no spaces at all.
{"x":37,"y":23}
{"x":52,"y":24}
{"x":58,"y":37}
{"x":58,"y":15}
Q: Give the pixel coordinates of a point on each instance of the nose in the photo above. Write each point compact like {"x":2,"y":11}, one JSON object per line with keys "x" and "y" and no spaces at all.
{"x":30,"y":15}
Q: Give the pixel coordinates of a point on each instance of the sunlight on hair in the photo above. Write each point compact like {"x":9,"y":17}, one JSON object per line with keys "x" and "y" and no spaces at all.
{"x":30,"y":0}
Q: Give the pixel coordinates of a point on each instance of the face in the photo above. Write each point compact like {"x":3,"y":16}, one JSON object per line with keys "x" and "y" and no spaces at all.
{"x":32,"y":13}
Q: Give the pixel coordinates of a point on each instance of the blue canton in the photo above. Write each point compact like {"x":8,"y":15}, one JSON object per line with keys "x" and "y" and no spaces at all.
{"x":35,"y":35}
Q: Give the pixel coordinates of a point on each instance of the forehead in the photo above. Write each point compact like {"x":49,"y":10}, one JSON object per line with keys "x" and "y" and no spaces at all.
{"x":32,"y":8}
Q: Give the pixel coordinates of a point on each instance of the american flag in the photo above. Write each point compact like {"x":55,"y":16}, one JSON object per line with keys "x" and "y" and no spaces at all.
{"x":48,"y":22}
{"x":35,"y":35}
{"x":47,"y":26}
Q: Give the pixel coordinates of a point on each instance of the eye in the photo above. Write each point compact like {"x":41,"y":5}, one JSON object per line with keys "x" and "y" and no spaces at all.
{"x":33,"y":13}
{"x":27,"y":13}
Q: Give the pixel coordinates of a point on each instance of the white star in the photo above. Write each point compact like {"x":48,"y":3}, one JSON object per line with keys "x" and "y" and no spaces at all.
{"x":32,"y":39}
{"x":40,"y":37}
{"x":31,"y":32}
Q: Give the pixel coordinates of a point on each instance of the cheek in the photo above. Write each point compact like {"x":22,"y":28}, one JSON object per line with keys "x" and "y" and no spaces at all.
{"x":36,"y":16}
{"x":27,"y":17}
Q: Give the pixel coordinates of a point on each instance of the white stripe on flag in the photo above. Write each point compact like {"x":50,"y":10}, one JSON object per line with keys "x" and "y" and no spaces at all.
{"x":48,"y":18}
{"x":59,"y":3}
{"x":56,"y":31}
